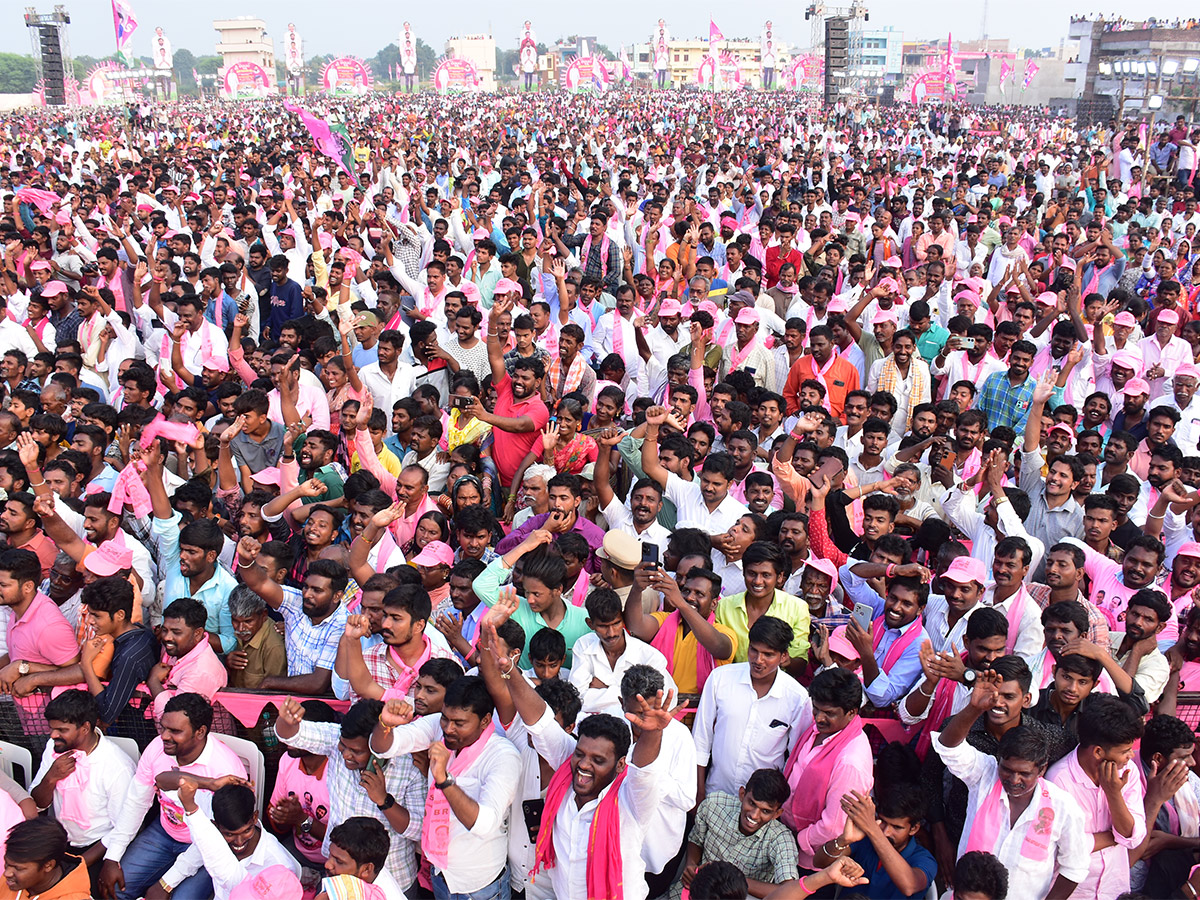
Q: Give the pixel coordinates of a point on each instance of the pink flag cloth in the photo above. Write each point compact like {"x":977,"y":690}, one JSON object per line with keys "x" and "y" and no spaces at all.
{"x":321,"y":134}
{"x":1031,"y":69}
{"x":42,"y":199}
{"x":172,"y":431}
{"x":124,"y":23}
{"x":1006,"y":70}
{"x":714,"y":33}
{"x":130,"y":489}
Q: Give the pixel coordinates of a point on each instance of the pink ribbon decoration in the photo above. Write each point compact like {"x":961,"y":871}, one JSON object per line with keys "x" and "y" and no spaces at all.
{"x":172,"y":431}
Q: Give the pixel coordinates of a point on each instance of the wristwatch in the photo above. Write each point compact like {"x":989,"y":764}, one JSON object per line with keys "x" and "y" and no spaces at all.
{"x":23,"y":667}
{"x":969,"y":677}
{"x":388,"y":802}
{"x":307,"y":824}
{"x":442,"y":785}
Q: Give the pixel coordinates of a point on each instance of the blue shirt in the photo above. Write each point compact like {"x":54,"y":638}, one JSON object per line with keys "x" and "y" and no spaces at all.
{"x":1004,"y":404}
{"x":882,"y":887}
{"x":889,"y":686}
{"x":229,"y":311}
{"x":214,"y":593}
{"x":287,"y":303}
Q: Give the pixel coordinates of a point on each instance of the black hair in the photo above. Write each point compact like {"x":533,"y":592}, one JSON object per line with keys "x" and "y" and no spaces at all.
{"x":360,"y":720}
{"x":444,"y":671}
{"x":771,"y":632}
{"x":561,"y":696}
{"x":1165,"y":735}
{"x":609,"y":728}
{"x":37,"y":840}
{"x":719,"y":880}
{"x":111,"y":595}
{"x":1013,"y":668}
{"x":192,"y":612}
{"x":603,"y":605}
{"x":986,"y":622}
{"x":470,"y":692}
{"x":1148,"y":598}
{"x":234,"y":806}
{"x":768,"y":786}
{"x":546,"y":644}
{"x":365,"y":840}
{"x":1026,"y":742}
{"x":198,"y":710}
{"x":901,"y":800}
{"x":641,"y":679}
{"x":836,"y":687}
{"x":411,"y":598}
{"x":22,"y":565}
{"x":1106,"y":722}
{"x":75,"y":707}
{"x":546,"y":567}
{"x":979,"y":872}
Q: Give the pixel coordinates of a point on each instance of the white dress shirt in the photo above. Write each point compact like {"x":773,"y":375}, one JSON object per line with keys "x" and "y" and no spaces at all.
{"x":737,"y":732}
{"x":937,"y":623}
{"x":591,"y":664}
{"x":961,"y":507}
{"x":640,"y":793}
{"x":678,"y":777}
{"x":226,"y":870}
{"x":692,"y":511}
{"x":475,"y":855}
{"x":1027,"y":878}
{"x":110,"y":771}
{"x":619,"y":518}
{"x":384,"y":390}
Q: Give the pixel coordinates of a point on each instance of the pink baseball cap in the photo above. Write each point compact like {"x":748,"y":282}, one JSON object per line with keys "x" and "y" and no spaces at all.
{"x":1060,"y":426}
{"x":969,"y":295}
{"x":1136,"y":387}
{"x":837,"y":305}
{"x":893,"y":262}
{"x":1069,"y":264}
{"x":885,"y":315}
{"x":507,"y":286}
{"x":840,"y":644}
{"x":1125,"y":319}
{"x":1187,"y":369}
{"x":1047,"y":298}
{"x":965,"y":569}
{"x":825,"y":567}
{"x":746,"y":316}
{"x":1127,"y":359}
{"x":40,"y":265}
{"x":108,"y":559}
{"x":274,"y":883}
{"x":53,"y":288}
{"x":269,"y":475}
{"x":670,"y":308}
{"x":1168,"y":317}
{"x":436,"y":553}
{"x":1191,"y":548}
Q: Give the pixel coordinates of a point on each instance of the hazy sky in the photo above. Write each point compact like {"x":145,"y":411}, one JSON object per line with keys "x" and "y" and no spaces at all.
{"x":363,"y":28}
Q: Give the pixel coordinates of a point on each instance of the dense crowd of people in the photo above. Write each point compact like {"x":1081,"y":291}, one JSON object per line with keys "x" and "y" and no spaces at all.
{"x":636,"y":496}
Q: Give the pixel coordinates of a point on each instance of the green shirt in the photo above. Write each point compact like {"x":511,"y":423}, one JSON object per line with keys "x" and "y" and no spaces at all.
{"x":572,"y":627}
{"x":731,"y":612}
{"x":331,"y":478}
{"x":930,"y":343}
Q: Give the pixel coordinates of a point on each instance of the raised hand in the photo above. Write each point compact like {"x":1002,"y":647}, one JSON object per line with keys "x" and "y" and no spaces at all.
{"x":396,"y":713}
{"x":233,"y":430}
{"x":654,"y":714}
{"x":313,"y":488}
{"x":986,"y":693}
{"x":291,"y":713}
{"x":358,"y":626}
{"x":247,"y":550}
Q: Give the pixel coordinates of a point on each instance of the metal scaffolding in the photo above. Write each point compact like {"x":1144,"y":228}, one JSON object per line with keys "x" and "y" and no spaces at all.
{"x":51,"y":52}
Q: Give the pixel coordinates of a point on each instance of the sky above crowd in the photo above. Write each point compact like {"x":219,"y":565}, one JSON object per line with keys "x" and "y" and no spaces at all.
{"x":364,"y":28}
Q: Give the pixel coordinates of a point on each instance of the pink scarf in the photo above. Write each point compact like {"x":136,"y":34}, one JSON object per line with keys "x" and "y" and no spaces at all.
{"x":604,"y":871}
{"x":1093,"y":284}
{"x":70,"y":790}
{"x":435,"y":830}
{"x":1016,"y":608}
{"x":737,"y":355}
{"x":587,"y":250}
{"x":205,"y":344}
{"x":431,"y":300}
{"x":406,"y":674}
{"x":899,"y":645}
{"x":580,"y":591}
{"x":618,"y":334}
{"x":130,"y":489}
{"x":664,"y":643}
{"x":808,"y":805}
{"x":985,"y":830}
{"x":940,"y":708}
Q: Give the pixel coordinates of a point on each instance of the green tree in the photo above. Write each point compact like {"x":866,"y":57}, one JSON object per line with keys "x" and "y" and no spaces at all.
{"x":18,"y":73}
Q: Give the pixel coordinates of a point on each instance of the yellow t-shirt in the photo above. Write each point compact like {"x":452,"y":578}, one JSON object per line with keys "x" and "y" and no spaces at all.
{"x":731,"y":611}
{"x":683,"y":667}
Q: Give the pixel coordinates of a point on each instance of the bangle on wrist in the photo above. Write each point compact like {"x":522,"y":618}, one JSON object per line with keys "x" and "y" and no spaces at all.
{"x":887,"y":572}
{"x":808,"y":892}
{"x":38,"y":484}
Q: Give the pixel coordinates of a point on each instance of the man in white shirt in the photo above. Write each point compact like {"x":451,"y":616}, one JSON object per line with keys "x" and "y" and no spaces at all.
{"x":751,"y":714}
{"x":473,"y":774}
{"x":388,"y":379}
{"x":1047,"y":849}
{"x":359,"y":847}
{"x":80,"y":760}
{"x":233,"y":846}
{"x":601,"y":658}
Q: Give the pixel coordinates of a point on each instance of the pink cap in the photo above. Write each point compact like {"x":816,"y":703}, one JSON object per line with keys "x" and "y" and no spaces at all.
{"x":1069,"y":264}
{"x":274,"y":883}
{"x":890,"y":284}
{"x":893,"y":262}
{"x":269,"y":475}
{"x":747,"y":316}
{"x":967,"y":295}
{"x":1136,"y":387}
{"x":1047,"y":298}
{"x":507,"y":286}
{"x":1125,"y":319}
{"x":479,"y":234}
{"x":287,"y":232}
{"x":965,"y":569}
{"x":840,"y":644}
{"x":1191,"y":548}
{"x":709,"y":307}
{"x":885,"y":315}
{"x":670,"y":308}
{"x":108,"y":559}
{"x":40,"y":266}
{"x":1127,"y":359}
{"x":853,"y":217}
{"x":216,"y":363}
{"x":53,"y":288}
{"x":1168,"y":317}
{"x":837,"y":305}
{"x":436,"y":553}
{"x":1060,"y":426}
{"x":825,"y":567}
{"x":1187,"y":369}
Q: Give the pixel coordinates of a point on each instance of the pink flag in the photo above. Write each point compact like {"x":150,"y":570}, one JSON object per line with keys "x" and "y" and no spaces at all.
{"x":714,"y":33}
{"x":43,"y":200}
{"x":949,"y":62}
{"x":1005,"y":71}
{"x":327,"y":142}
{"x":1031,"y":69}
{"x":124,"y":25}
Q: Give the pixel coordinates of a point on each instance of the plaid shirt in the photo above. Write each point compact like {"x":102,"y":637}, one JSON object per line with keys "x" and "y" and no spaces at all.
{"x":1004,"y":404}
{"x":768,"y":855}
{"x":384,"y":672}
{"x":67,"y":328}
{"x":309,"y":646}
{"x":348,"y":798}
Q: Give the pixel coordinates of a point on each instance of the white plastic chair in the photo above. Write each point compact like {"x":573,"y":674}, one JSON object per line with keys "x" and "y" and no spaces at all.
{"x":128,"y":746}
{"x":252,"y":758}
{"x":11,"y":756}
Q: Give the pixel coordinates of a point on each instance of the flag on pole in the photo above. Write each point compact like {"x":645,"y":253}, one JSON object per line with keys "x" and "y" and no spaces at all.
{"x":331,"y":140}
{"x":1006,"y":70}
{"x":1031,"y":69}
{"x":124,"y":25}
{"x":714,"y":33}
